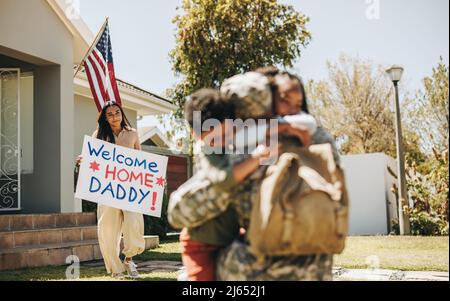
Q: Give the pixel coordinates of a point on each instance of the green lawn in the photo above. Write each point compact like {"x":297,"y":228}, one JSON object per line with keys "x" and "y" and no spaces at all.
{"x":168,"y":250}
{"x":392,"y":252}
{"x":412,"y":253}
{"x":86,"y":274}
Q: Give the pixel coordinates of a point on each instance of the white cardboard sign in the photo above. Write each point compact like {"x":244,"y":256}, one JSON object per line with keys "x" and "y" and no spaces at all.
{"x":121,"y":177}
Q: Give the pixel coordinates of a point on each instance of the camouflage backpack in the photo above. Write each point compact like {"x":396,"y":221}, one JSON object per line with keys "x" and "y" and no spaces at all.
{"x":301,"y":206}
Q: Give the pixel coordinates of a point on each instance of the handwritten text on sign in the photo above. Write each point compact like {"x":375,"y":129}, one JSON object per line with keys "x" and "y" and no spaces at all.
{"x":121,"y":177}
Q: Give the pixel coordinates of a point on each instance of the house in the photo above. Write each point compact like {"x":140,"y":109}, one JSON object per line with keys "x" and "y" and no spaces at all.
{"x":44,"y":114}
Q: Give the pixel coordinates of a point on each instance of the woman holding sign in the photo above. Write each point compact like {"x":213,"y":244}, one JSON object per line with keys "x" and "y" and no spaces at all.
{"x":114,"y":127}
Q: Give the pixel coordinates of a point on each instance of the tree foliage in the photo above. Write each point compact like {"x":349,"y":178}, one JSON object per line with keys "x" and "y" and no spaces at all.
{"x":428,"y":181}
{"x":429,"y":190}
{"x":354,"y":103}
{"x":220,"y":38}
{"x":429,"y":113}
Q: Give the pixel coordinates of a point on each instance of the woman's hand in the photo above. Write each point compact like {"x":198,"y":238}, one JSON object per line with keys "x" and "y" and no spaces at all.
{"x":78,"y":160}
{"x":265,"y":153}
{"x":301,"y":133}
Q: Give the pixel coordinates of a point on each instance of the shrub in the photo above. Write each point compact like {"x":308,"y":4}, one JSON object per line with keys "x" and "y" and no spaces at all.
{"x":424,"y":223}
{"x":444,"y":230}
{"x":428,"y":184}
{"x":395,"y":227}
{"x":89,"y":206}
{"x":428,"y":189}
{"x":158,"y":226}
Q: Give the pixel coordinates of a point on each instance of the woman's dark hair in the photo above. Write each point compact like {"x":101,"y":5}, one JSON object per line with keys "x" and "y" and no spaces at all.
{"x":271,"y":72}
{"x":304,"y":107}
{"x":104,"y":131}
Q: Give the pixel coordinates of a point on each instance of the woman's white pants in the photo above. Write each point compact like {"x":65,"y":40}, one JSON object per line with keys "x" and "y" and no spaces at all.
{"x":112,"y":223}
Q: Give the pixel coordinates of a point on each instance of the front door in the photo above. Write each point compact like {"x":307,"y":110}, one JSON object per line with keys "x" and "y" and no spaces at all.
{"x":9,"y":139}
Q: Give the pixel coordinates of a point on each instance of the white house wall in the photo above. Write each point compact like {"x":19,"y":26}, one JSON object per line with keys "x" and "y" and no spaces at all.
{"x":37,"y":36}
{"x":366,"y":184}
{"x":30,"y":31}
{"x":85,"y":121}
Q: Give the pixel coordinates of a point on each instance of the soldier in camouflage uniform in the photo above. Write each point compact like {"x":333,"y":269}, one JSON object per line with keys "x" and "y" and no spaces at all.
{"x":200,"y":244}
{"x":213,"y":178}
{"x":199,"y":201}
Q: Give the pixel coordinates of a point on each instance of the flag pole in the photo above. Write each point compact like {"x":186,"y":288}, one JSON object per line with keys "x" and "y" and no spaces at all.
{"x":99,"y":34}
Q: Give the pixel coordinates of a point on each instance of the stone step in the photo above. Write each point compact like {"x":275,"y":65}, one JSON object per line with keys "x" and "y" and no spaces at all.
{"x":56,"y":254}
{"x":15,"y":239}
{"x":151,"y":241}
{"x":48,"y":255}
{"x":21,"y":222}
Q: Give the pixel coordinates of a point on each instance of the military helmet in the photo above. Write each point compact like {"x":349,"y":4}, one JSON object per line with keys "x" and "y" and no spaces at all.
{"x":250,"y":93}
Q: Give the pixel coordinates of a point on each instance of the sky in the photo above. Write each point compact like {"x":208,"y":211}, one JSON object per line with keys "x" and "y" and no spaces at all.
{"x":411,"y":33}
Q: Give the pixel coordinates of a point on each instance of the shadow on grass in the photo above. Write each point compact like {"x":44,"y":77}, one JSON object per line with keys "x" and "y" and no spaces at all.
{"x":168,"y":250}
{"x":157,"y":255}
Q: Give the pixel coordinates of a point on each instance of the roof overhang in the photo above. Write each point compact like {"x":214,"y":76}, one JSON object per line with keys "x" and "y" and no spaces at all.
{"x":141,"y":101}
{"x":135,"y":98}
{"x":154,"y":134}
{"x":82,"y":35}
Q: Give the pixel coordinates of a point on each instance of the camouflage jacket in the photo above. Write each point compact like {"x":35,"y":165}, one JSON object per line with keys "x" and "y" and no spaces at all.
{"x":204,"y":196}
{"x":200,"y":200}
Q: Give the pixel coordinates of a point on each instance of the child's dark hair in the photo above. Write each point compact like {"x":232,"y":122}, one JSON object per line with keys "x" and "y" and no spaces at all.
{"x":271,"y":72}
{"x":210,"y":104}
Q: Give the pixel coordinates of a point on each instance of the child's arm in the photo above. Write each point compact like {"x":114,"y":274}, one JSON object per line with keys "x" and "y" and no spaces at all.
{"x":201,"y":199}
{"x":302,"y":134}
{"x":225,"y":176}
{"x":245,"y":168}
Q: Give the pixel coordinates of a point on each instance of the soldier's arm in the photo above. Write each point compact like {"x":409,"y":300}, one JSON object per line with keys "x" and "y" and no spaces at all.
{"x":234,"y":174}
{"x":220,"y":176}
{"x":196,"y":202}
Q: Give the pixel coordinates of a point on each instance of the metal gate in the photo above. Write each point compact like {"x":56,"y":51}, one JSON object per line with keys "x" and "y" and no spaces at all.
{"x":9,"y":139}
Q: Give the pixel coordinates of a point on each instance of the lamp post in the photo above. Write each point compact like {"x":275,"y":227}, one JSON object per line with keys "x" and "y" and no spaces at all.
{"x":395,"y":73}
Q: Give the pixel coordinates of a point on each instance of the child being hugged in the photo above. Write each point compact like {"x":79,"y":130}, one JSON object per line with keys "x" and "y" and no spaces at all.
{"x":200,"y":244}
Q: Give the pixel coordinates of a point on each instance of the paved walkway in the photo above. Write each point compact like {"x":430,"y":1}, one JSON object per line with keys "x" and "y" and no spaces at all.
{"x":340,"y":274}
{"x":145,"y":266}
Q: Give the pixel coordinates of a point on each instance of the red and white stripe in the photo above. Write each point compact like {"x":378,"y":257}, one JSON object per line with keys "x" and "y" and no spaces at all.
{"x":102,"y":79}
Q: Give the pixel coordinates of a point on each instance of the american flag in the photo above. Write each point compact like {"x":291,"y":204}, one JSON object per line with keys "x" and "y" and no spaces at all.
{"x":99,"y":69}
